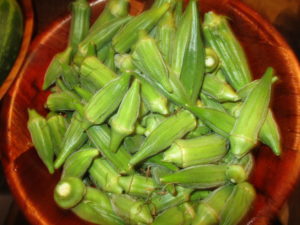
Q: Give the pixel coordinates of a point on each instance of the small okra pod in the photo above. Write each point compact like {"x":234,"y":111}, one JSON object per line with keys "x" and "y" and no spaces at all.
{"x":96,"y":208}
{"x":128,"y":35}
{"x":131,"y":210}
{"x":193,"y":61}
{"x":211,"y":103}
{"x":63,"y":101}
{"x":74,"y":138}
{"x":77,"y":164}
{"x":133,"y":143}
{"x":238,"y":204}
{"x":172,"y":128}
{"x":212,"y":61}
{"x":151,"y":121}
{"x":57,"y":125}
{"x":221,"y":39}
{"x":83,"y":93}
{"x":137,"y":185}
{"x":218,"y":89}
{"x":209,"y":209}
{"x":104,"y":176}
{"x":69,"y":192}
{"x":201,"y":150}
{"x":80,"y":22}
{"x":171,"y":216}
{"x":54,"y":70}
{"x":123,"y":122}
{"x":200,"y":130}
{"x":148,"y":59}
{"x":41,"y":138}
{"x":154,"y":100}
{"x":253,"y":114}
{"x":101,"y":106}
{"x":96,"y":72}
{"x":206,"y":176}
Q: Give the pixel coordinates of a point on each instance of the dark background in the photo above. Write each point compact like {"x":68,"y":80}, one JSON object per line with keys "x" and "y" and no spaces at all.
{"x":283,"y":14}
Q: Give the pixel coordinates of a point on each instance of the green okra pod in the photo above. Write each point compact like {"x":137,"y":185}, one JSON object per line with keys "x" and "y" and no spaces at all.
{"x":233,"y":108}
{"x":131,"y":210}
{"x":157,"y":160}
{"x":80,"y":22}
{"x":211,"y":103}
{"x":63,"y":101}
{"x":151,"y":121}
{"x":201,"y":150}
{"x":253,"y":114}
{"x":69,"y":192}
{"x":57,"y":125}
{"x":206,"y":176}
{"x":199,"y":195}
{"x":73,"y":139}
{"x":110,"y":59}
{"x":41,"y":138}
{"x":96,"y":72}
{"x":218,"y":89}
{"x":238,"y":204}
{"x":172,"y":216}
{"x":157,"y":171}
{"x":212,"y":61}
{"x":209,"y":209}
{"x":123,"y":122}
{"x":83,"y":93}
{"x":104,"y":176}
{"x":188,"y":213}
{"x":102,"y":53}
{"x":221,"y":39}
{"x":193,"y":61}
{"x":101,"y":106}
{"x":77,"y":164}
{"x":171,"y":129}
{"x":69,"y":76}
{"x":178,"y":12}
{"x":200,"y":130}
{"x":133,"y":143}
{"x":55,"y":69}
{"x":128,"y":35}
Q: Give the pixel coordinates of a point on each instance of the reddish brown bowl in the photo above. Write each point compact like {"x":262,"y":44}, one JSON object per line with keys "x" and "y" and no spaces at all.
{"x":273,"y":177}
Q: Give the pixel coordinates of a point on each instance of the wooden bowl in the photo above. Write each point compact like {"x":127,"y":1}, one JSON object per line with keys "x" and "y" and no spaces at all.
{"x":273,"y":177}
{"x":26,"y":7}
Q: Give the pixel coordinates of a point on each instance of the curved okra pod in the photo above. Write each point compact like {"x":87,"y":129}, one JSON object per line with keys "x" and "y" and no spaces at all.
{"x":131,"y":210}
{"x":209,"y":209}
{"x":172,"y":216}
{"x":128,"y":35}
{"x":96,"y":72}
{"x":104,"y":176}
{"x":100,"y":106}
{"x":57,"y":125}
{"x":238,"y":204}
{"x":218,"y":89}
{"x":77,"y":164}
{"x":171,"y":129}
{"x":201,"y":150}
{"x":206,"y":176}
{"x":69,"y":192}
{"x":73,"y":139}
{"x":41,"y":138}
{"x":96,"y":208}
{"x":123,"y":122}
{"x":253,"y":114}
{"x":80,"y":22}
{"x":63,"y":101}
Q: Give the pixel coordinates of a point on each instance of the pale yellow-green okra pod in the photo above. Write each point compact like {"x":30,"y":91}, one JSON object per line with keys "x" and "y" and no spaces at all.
{"x":253,"y":114}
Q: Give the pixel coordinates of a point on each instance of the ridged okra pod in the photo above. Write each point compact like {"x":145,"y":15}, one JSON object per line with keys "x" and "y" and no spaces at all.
{"x":172,"y":216}
{"x":73,"y":139}
{"x":253,"y":114}
{"x":100,"y":106}
{"x":41,"y":138}
{"x":80,"y":22}
{"x":63,"y":101}
{"x":123,"y":122}
{"x":77,"y":164}
{"x":96,"y":208}
{"x":131,"y":210}
{"x":193,"y":66}
{"x":209,"y":209}
{"x":201,"y":150}
{"x":57,"y":125}
{"x":206,"y":176}
{"x":238,"y":204}
{"x":104,"y":176}
{"x":221,"y":39}
{"x":69,"y":192}
{"x":171,"y":129}
{"x":218,"y":89}
{"x":96,"y":72}
{"x":128,"y":35}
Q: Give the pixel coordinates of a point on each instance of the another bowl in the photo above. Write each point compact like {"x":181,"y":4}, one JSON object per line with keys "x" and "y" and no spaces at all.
{"x":273,"y":177}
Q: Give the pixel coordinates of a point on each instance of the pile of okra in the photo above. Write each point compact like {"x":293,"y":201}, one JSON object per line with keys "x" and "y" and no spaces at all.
{"x":152,"y":118}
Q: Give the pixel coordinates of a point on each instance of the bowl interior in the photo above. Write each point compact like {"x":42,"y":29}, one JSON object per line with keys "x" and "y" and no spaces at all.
{"x":273,"y":176}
